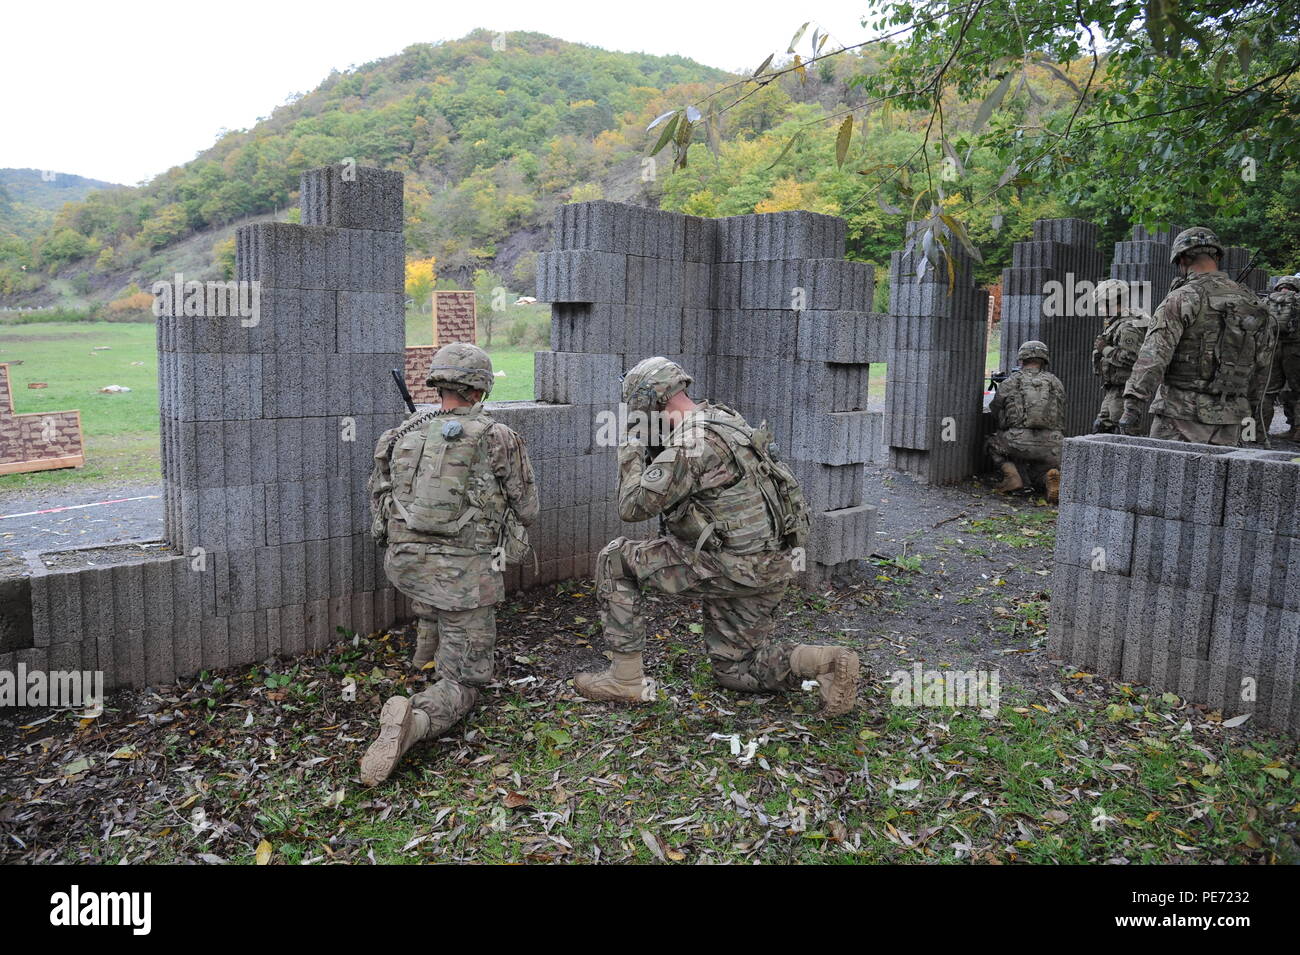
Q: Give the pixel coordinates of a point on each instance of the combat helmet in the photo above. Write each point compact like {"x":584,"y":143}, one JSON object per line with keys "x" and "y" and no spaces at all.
{"x":1196,"y":239}
{"x":462,"y":368}
{"x":1288,"y":281}
{"x":1110,"y":293}
{"x":651,"y":382}
{"x":1033,"y":349}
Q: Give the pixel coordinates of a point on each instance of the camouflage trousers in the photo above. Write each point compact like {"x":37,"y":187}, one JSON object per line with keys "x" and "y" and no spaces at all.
{"x":1112,"y":408}
{"x":466,"y":641}
{"x":1186,"y":429}
{"x":1034,"y":451}
{"x":739,"y":619}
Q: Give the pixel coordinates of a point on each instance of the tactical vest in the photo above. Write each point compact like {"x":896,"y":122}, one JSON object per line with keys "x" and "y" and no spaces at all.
{"x":1035,"y":403}
{"x":1218,"y":350}
{"x":444,"y":489}
{"x":1125,"y":340}
{"x":761,"y":510}
{"x":1284,"y":305}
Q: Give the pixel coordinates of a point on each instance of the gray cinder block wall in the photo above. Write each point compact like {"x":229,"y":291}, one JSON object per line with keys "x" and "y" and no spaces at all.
{"x":267,"y":436}
{"x":1062,"y":252}
{"x":1178,"y":566}
{"x":762,"y":310}
{"x":934,"y":415}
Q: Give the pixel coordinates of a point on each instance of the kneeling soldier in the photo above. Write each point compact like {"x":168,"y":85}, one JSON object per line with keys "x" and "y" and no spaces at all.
{"x":733,"y":517}
{"x":451,"y":493}
{"x":1030,"y":409}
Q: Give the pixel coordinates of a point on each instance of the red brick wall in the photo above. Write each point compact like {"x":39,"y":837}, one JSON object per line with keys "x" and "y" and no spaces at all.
{"x":38,"y":441}
{"x":418,"y":359}
{"x":454,"y":318}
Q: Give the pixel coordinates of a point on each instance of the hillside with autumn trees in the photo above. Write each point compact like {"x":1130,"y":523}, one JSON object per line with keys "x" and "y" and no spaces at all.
{"x":492,"y":140}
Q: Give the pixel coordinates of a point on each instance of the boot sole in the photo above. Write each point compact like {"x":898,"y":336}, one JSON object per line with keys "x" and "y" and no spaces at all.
{"x":386,"y":752}
{"x":842,"y":695}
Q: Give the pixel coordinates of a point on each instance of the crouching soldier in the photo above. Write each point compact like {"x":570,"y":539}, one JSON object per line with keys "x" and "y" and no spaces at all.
{"x":1030,"y":410}
{"x":1116,"y":349}
{"x":451,"y":493}
{"x":733,"y":519}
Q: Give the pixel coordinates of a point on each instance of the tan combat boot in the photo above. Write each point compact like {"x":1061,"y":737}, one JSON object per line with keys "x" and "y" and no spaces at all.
{"x":623,"y":682}
{"x":401,"y":726}
{"x":426,"y":648}
{"x":836,"y":671}
{"x":1053,"y":481}
{"x":1011,"y":480}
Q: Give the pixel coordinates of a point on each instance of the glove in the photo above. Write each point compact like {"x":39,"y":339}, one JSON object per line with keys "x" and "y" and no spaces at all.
{"x":1128,"y":422}
{"x":1099,"y":426}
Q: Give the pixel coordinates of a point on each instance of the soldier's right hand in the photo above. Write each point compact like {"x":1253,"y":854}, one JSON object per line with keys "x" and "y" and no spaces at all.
{"x":1128,"y":422}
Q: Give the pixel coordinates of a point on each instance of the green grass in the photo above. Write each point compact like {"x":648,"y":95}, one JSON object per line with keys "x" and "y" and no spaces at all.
{"x":1096,"y":773}
{"x":121,"y":430}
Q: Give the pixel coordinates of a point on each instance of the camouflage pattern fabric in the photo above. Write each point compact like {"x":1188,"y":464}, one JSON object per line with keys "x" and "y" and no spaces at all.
{"x":454,"y":582}
{"x":1190,"y":374}
{"x":1034,"y":451}
{"x":1112,"y":408}
{"x":740,"y":592}
{"x":1185,"y":429}
{"x":739,"y":619}
{"x":1284,"y":380}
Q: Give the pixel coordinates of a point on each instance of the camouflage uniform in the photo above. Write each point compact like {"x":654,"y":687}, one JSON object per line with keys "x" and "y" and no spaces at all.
{"x":447,"y":489}
{"x":1030,"y":416}
{"x":1206,"y":357}
{"x":721,"y":543}
{"x":1115,"y":350}
{"x":1284,"y":381}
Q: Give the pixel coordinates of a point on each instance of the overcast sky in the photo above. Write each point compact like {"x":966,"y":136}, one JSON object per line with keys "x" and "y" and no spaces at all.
{"x":123,"y":91}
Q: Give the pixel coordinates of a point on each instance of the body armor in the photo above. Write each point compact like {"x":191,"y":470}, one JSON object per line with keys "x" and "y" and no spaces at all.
{"x":444,"y":489}
{"x":1123,"y":337}
{"x":1217,"y":352}
{"x":1037,"y":402}
{"x":762,"y":510}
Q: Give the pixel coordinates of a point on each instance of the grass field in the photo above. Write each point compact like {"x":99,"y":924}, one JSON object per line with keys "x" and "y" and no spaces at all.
{"x":121,"y":430}
{"x":76,"y":359}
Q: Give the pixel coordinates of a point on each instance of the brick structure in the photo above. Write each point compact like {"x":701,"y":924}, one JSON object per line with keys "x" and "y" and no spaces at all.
{"x":1178,"y":566}
{"x":37,"y":441}
{"x":762,"y":310}
{"x":268,"y":429}
{"x":418,"y":359}
{"x":934,"y":415}
{"x":455,"y":318}
{"x":1041,"y":292}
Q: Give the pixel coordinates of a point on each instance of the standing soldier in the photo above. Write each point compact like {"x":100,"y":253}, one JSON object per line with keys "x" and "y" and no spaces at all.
{"x":733,"y":519}
{"x":1284,"y":305}
{"x":1207,"y":355}
{"x":1116,"y":349}
{"x":451,"y":493}
{"x":1030,"y":410}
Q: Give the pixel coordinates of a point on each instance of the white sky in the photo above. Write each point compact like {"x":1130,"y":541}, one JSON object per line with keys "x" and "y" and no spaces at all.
{"x":123,"y":91}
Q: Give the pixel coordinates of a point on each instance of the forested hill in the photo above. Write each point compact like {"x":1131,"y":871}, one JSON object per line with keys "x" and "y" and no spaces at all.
{"x":29,"y":198}
{"x":491,"y":137}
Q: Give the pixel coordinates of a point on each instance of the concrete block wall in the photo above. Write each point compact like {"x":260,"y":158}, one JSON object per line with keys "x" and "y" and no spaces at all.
{"x":762,"y":310}
{"x":1064,"y":252}
{"x":1178,"y":566}
{"x":268,"y":431}
{"x":934,"y":415}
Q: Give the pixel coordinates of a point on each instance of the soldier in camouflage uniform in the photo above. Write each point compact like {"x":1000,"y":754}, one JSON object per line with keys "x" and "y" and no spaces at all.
{"x":451,"y":492}
{"x":1207,"y":355}
{"x":1116,"y":349}
{"x":1030,"y":410}
{"x":732,"y":516}
{"x":1284,"y":382}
